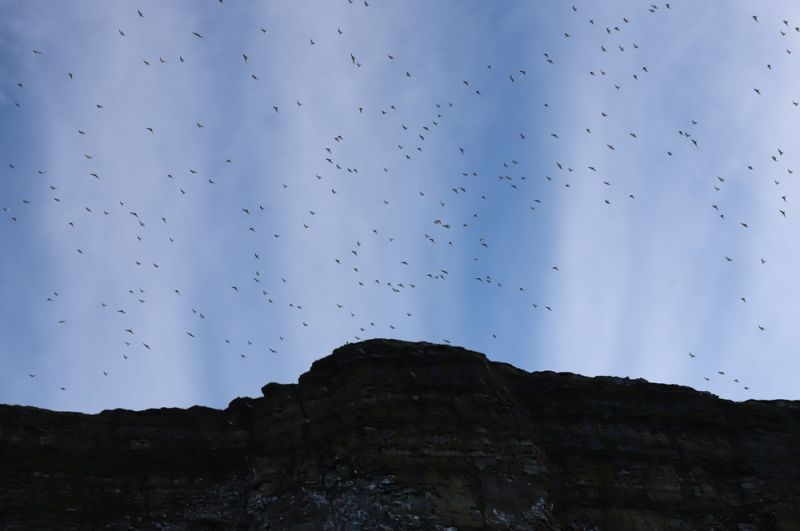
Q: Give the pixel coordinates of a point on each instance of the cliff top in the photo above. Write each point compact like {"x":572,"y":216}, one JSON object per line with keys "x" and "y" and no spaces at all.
{"x":387,"y":434}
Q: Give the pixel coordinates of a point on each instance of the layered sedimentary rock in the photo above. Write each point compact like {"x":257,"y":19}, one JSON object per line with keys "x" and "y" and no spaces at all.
{"x":387,"y":434}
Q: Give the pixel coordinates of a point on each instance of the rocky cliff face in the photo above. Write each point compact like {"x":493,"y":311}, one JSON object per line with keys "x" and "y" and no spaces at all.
{"x":394,"y":435}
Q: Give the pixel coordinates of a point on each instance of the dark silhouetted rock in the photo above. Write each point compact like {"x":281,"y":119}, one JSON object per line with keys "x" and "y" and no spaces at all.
{"x":387,"y":434}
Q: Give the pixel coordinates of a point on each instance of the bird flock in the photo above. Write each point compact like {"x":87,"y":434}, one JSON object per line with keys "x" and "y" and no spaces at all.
{"x":219,"y":192}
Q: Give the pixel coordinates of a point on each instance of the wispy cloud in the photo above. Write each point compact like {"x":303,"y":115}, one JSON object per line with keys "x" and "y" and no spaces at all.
{"x":418,"y":171}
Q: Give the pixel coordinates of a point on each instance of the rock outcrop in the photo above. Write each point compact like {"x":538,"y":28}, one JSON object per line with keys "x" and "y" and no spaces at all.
{"x":387,"y":434}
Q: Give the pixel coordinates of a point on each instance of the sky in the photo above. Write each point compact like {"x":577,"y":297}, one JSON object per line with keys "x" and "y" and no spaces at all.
{"x":201,"y":197}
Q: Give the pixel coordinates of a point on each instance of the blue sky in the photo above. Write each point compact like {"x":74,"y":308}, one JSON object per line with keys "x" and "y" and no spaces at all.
{"x":201,"y":244}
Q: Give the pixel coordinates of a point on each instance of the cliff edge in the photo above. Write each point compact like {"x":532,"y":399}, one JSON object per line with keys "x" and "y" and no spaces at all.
{"x":388,"y":434}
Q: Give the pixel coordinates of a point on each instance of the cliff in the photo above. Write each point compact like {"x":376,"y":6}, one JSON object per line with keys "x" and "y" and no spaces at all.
{"x":387,"y":434}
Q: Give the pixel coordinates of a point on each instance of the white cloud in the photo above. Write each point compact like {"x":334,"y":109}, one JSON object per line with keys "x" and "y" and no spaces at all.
{"x":640,"y":283}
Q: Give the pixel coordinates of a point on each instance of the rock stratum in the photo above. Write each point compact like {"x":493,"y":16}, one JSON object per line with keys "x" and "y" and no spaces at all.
{"x":387,"y":434}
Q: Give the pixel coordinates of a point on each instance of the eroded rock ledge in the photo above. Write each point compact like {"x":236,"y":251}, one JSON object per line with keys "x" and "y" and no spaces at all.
{"x":387,"y":434}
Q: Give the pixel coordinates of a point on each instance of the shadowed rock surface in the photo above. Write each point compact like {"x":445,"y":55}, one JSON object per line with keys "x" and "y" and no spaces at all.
{"x":388,"y":434}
